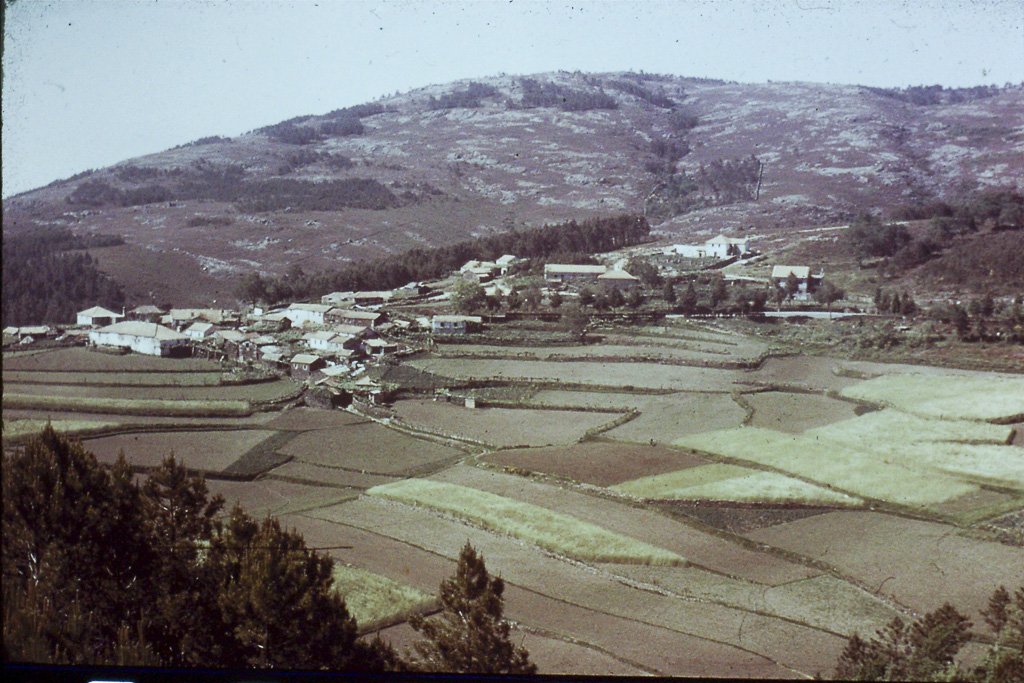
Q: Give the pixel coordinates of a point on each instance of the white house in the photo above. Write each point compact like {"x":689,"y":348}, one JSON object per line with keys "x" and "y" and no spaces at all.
{"x":724,"y":247}
{"x":455,"y":324}
{"x":142,"y":337}
{"x":347,"y":316}
{"x":307,"y":313}
{"x":806,"y":281}
{"x":198,"y":331}
{"x":98,"y":316}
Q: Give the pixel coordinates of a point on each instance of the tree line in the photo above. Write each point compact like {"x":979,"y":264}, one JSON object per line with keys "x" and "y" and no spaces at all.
{"x":228,"y":183}
{"x":48,"y":277}
{"x":560,"y":242}
{"x":100,"y":569}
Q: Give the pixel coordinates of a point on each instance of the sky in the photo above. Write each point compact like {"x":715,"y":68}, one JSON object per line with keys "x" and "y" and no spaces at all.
{"x":89,"y":83}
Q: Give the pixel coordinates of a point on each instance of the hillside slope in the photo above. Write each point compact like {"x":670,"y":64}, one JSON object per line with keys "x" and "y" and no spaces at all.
{"x":447,"y":162}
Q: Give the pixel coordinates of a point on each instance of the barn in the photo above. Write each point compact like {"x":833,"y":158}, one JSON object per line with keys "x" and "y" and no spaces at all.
{"x":97,"y":316}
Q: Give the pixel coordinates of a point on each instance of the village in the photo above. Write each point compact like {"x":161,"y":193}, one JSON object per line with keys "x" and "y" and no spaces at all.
{"x":338,"y":342}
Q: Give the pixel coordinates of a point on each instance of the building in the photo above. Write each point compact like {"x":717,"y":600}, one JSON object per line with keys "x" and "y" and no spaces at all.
{"x":337,"y":298}
{"x":721,"y":247}
{"x":200,"y":331}
{"x":300,"y":314}
{"x":619,"y":279}
{"x":724,"y":247}
{"x":572,"y":274}
{"x":33,"y":331}
{"x":807,"y":282}
{"x":334,"y":342}
{"x":97,"y":316}
{"x":305,"y":364}
{"x":147,"y":313}
{"x":142,"y":337}
{"x":348,"y":316}
{"x":379,"y":347}
{"x":507,"y":261}
{"x":371,"y":298}
{"x":455,"y":324}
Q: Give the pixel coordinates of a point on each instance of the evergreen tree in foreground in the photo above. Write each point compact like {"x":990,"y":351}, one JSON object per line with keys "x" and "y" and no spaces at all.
{"x":98,"y":570}
{"x":471,"y":635}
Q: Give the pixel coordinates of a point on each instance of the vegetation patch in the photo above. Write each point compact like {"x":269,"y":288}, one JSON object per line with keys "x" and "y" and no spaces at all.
{"x":550,"y":530}
{"x":375,"y":601}
{"x":990,"y":399}
{"x":846,"y":467}
{"x":730,"y":482}
{"x":19,"y":429}
{"x":120,"y":406}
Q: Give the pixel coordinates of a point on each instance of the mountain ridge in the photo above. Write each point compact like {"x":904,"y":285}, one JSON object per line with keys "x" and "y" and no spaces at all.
{"x":448,"y":162}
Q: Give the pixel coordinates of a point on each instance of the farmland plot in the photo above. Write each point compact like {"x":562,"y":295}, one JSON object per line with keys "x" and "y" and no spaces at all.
{"x":79,"y":359}
{"x":662,"y":418}
{"x":368,"y":448}
{"x":275,"y":497}
{"x":992,"y":399}
{"x":732,"y":483}
{"x":559,"y":533}
{"x":637,"y":375}
{"x":173,"y":379}
{"x":667,"y":634}
{"x":646,"y":525}
{"x":210,"y":451}
{"x":795,"y":412}
{"x":259,"y":392}
{"x":921,"y":564}
{"x":600,"y":463}
{"x":373,"y":599}
{"x":501,"y":427}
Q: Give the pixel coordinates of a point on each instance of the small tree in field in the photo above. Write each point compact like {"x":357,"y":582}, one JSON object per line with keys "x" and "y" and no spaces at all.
{"x":471,"y":636}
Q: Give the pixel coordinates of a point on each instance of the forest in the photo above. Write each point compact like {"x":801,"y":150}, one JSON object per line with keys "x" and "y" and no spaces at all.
{"x":561,"y":242}
{"x":48,"y":277}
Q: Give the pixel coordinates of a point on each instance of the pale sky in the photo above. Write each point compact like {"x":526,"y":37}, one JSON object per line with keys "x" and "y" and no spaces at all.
{"x":88,"y":83}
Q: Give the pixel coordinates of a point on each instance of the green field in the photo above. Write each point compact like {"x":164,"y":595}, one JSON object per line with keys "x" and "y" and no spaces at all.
{"x":989,"y":399}
{"x":122,"y":406}
{"x":550,"y":530}
{"x":14,"y":429}
{"x":375,"y":600}
{"x":732,"y":483}
{"x":851,"y":468}
{"x":128,"y":379}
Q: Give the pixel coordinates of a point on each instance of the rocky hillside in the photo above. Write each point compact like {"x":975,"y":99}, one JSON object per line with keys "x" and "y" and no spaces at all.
{"x":447,"y":162}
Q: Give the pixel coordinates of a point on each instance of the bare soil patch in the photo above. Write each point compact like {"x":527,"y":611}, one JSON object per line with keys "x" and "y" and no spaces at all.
{"x":794,"y":413}
{"x":367,"y":447}
{"x":812,"y":373}
{"x":739,"y":519}
{"x":600,"y":463}
{"x":211,"y":451}
{"x":275,"y":497}
{"x":920,"y":564}
{"x":503,"y":427}
{"x":303,"y":419}
{"x":333,"y":476}
{"x":80,"y":359}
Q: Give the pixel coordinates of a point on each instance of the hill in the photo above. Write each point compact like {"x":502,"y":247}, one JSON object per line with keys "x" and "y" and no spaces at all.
{"x":471,"y":158}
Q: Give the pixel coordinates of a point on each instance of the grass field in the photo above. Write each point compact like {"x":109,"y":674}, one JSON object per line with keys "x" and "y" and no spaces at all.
{"x":848,"y":468}
{"x":374,"y":600}
{"x":795,"y":412}
{"x":16,"y":429}
{"x":121,"y":406}
{"x":80,"y":359}
{"x":550,"y":530}
{"x":129,"y":379}
{"x":732,"y":483}
{"x":275,"y":390}
{"x":990,"y":399}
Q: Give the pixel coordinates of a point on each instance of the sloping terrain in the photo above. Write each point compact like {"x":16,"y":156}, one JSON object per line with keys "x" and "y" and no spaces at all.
{"x":448,"y":162}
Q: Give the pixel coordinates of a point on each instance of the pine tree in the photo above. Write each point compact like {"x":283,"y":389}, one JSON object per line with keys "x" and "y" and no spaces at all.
{"x":471,"y":635}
